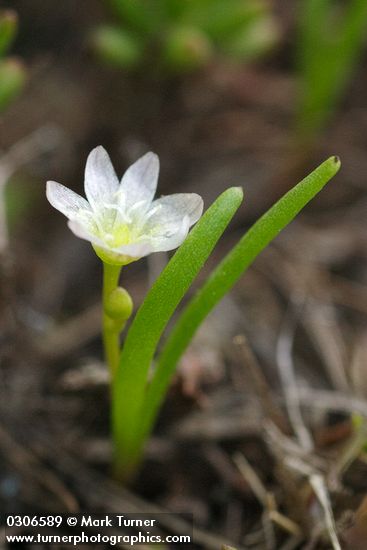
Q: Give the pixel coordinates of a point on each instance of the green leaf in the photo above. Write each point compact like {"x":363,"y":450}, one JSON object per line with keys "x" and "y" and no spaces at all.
{"x":12,"y":80}
{"x":331,"y":41}
{"x":151,"y":319}
{"x":222,"y":279}
{"x":253,"y":40}
{"x":175,"y":8}
{"x":118,"y":47}
{"x":220,"y":19}
{"x":186,"y":49}
{"x":144,"y":16}
{"x":8,"y":29}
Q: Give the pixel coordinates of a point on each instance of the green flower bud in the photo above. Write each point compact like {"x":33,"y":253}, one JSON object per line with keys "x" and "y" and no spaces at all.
{"x":117,"y":47}
{"x":12,"y":79}
{"x":119,"y":305}
{"x":8,"y":29}
{"x":186,"y":49}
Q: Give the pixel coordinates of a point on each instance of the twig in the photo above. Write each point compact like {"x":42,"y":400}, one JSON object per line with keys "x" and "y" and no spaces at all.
{"x":223,"y":465}
{"x":38,"y":142}
{"x":322,"y":326}
{"x":41,"y":141}
{"x":265,"y":497}
{"x":286,"y":370}
{"x":104,"y":494}
{"x":332,"y":401}
{"x":353,"y":448}
{"x":319,"y":487}
{"x":220,"y":421}
{"x":283,"y":446}
{"x":289,"y":382}
{"x":317,"y":482}
{"x":292,"y":543}
{"x":262,"y":388}
{"x":268,"y":529}
{"x":252,"y":479}
{"x":26,"y":462}
{"x":77,"y":331}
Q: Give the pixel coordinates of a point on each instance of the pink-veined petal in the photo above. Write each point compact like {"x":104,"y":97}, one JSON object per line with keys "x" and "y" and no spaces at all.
{"x":101,"y":182}
{"x":139,"y":183}
{"x":81,"y":231}
{"x":169,"y":240}
{"x":65,"y":200}
{"x":173,"y":208}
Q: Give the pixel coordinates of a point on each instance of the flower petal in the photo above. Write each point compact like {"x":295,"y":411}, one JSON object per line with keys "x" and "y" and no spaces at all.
{"x":158,"y":243}
{"x":136,"y":250}
{"x":101,"y":182}
{"x":145,"y":246}
{"x":65,"y":200}
{"x":139,"y":183}
{"x":81,"y":231}
{"x":173,"y":208}
{"x":165,"y":242}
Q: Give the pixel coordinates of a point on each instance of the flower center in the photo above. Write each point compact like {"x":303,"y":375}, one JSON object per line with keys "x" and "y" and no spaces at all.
{"x":118,"y":235}
{"x":111,"y":226}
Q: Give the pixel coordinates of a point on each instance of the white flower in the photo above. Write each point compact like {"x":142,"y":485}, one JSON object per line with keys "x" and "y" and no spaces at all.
{"x":121,"y":219}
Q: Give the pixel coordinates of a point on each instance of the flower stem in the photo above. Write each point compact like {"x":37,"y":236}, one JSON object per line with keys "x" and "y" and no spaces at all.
{"x":111,"y":331}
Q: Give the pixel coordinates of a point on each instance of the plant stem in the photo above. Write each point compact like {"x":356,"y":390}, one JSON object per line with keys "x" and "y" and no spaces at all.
{"x":111,"y":331}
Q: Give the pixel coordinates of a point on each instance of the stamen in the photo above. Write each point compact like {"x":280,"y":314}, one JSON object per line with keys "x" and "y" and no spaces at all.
{"x":153,"y":211}
{"x":120,"y":210}
{"x":93,"y":218}
{"x":139,"y":206}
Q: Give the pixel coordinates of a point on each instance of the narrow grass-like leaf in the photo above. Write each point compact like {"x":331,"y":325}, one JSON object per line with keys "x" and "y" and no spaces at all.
{"x":12,"y":79}
{"x":331,"y":39}
{"x":151,"y":319}
{"x":220,"y":19}
{"x":8,"y":29}
{"x":224,"y":277}
{"x":143,"y":16}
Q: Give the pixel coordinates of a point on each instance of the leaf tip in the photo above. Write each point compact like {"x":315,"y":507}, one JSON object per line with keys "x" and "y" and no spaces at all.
{"x":239,"y":191}
{"x":336,"y":161}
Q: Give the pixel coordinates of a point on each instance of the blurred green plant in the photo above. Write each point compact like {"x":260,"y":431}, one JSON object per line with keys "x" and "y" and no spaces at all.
{"x":178,"y":36}
{"x":331,"y":39}
{"x":12,"y":71}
